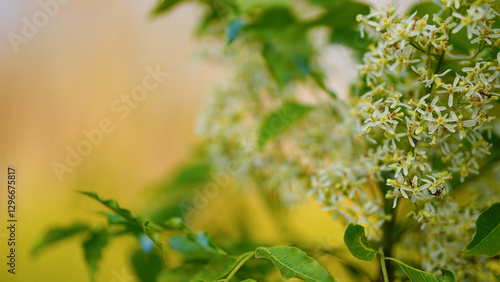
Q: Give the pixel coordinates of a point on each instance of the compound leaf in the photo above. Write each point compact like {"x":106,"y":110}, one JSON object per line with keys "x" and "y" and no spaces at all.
{"x":356,"y":242}
{"x":486,"y":241}
{"x":294,"y":263}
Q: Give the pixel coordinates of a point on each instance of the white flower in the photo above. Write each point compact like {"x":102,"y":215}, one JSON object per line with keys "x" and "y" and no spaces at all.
{"x":442,"y":121}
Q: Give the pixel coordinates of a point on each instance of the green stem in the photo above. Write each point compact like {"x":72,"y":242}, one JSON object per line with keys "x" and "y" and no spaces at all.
{"x":382,"y":265}
{"x":440,"y":63}
{"x":422,"y":50}
{"x":239,"y":265}
{"x":389,"y":238}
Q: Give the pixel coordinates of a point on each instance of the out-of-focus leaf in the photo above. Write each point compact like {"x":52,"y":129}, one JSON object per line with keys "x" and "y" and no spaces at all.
{"x":185,"y":272}
{"x":164,"y":6}
{"x":461,"y":43}
{"x":294,"y":263}
{"x":204,"y":240}
{"x":279,"y":120}
{"x":486,"y":241}
{"x":246,"y":5}
{"x":58,"y":234}
{"x":287,"y":51}
{"x":425,"y":8}
{"x":342,"y":15}
{"x":92,"y":249}
{"x":147,"y":266}
{"x":195,"y":172}
{"x":417,"y":275}
{"x":288,"y":58}
{"x":195,"y":246}
{"x":272,"y":21}
{"x":112,"y":205}
{"x":175,"y":223}
{"x":113,"y":218}
{"x":351,"y":38}
{"x":356,"y":242}
{"x":220,"y":267}
{"x":154,"y":236}
{"x":176,"y":191}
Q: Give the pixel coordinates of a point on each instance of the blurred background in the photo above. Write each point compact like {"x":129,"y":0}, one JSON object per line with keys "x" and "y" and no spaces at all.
{"x":64,"y":80}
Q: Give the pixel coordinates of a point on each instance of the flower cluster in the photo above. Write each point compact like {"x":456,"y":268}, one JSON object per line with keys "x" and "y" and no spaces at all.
{"x":428,"y":107}
{"x":417,"y":125}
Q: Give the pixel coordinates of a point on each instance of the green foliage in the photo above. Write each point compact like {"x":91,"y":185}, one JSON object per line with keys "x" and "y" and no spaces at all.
{"x":279,"y":120}
{"x":93,"y":247}
{"x":417,"y":275}
{"x":220,"y":267}
{"x":195,"y":246}
{"x":175,"y":193}
{"x":164,"y":6}
{"x":154,"y":236}
{"x":147,"y":266}
{"x":487,"y":238}
{"x":425,"y":8}
{"x":294,"y":263}
{"x":356,"y":242}
{"x":114,"y":206}
{"x":57,"y":234}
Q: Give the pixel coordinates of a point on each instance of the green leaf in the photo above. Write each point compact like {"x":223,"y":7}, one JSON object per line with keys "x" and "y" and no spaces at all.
{"x":114,"y":206}
{"x":356,"y":242}
{"x":184,"y":272}
{"x":155,"y":237}
{"x":247,"y":5}
{"x":204,"y":240}
{"x":272,"y":23}
{"x":487,"y":238}
{"x":417,"y":275}
{"x":58,"y":234}
{"x":175,"y":223}
{"x":197,"y":246}
{"x":164,"y":6}
{"x":287,"y":60}
{"x":342,"y":14}
{"x":147,"y":266}
{"x":192,"y":173}
{"x":220,"y":267}
{"x":425,"y":8}
{"x":351,"y":38}
{"x":294,"y":263}
{"x":92,"y":249}
{"x":279,"y":120}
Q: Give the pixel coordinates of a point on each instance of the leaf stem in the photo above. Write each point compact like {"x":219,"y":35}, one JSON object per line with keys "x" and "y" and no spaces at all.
{"x":382,"y":265}
{"x":239,"y":265}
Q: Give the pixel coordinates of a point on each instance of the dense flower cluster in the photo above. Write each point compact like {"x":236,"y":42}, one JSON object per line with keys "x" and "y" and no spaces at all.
{"x":420,"y":126}
{"x":426,"y":104}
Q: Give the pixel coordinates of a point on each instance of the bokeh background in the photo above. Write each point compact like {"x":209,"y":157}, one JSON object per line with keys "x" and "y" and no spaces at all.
{"x":63,"y":81}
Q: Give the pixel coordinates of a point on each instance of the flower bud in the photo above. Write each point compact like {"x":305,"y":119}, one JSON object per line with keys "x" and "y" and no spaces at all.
{"x":419,"y":130}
